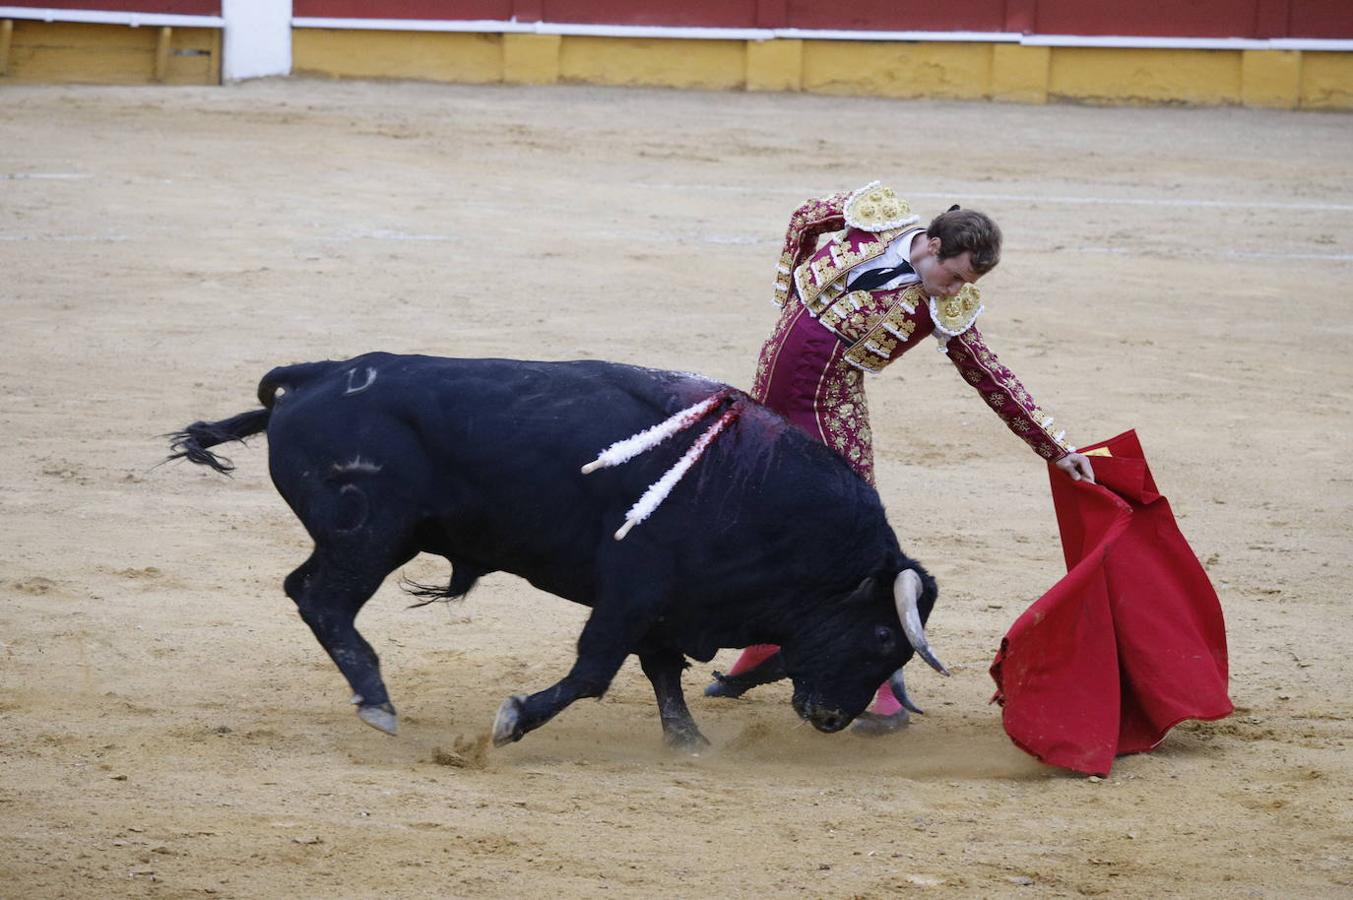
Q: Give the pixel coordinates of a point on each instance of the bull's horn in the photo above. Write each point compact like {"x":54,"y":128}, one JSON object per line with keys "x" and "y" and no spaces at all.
{"x":906,"y":593}
{"x":900,"y":693}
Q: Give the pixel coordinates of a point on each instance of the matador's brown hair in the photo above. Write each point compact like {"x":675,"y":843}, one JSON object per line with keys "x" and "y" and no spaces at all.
{"x":962,"y":230}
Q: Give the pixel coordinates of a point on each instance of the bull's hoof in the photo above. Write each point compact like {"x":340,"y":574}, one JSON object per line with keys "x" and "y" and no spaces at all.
{"x":874,"y":725}
{"x":507,"y":724}
{"x":730,"y":686}
{"x":686,"y":740}
{"x":381,"y":716}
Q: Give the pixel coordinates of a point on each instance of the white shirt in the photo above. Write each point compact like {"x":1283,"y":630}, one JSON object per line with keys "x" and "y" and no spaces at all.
{"x":898,"y":252}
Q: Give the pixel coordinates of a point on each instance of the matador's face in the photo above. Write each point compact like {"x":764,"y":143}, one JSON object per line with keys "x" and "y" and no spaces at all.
{"x":941,"y":277}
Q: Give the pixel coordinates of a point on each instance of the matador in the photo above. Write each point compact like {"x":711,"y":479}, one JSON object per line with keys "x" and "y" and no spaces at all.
{"x":878,"y":287}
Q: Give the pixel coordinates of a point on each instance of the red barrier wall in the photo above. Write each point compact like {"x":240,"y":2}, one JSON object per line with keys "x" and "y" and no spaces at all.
{"x":691,"y":13}
{"x":1186,"y":18}
{"x":891,"y":15}
{"x":175,"y":7}
{"x":498,"y":10}
{"x":1199,"y":18}
{"x":1321,"y":18}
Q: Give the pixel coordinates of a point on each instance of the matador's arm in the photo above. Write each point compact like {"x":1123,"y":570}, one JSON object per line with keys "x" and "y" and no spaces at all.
{"x":812,"y":219}
{"x":1003,"y":392}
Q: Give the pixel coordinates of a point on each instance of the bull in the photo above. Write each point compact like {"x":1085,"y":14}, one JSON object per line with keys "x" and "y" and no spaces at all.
{"x":770,"y":539}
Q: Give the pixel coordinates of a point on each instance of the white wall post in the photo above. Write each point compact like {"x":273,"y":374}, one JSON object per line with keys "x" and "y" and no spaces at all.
{"x":257,"y":38}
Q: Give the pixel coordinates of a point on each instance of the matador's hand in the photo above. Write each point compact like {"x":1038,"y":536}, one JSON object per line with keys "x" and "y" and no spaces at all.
{"x":1077,"y":465}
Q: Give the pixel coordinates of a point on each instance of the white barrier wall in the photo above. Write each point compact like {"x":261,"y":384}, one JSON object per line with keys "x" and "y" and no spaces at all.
{"x":257,"y":38}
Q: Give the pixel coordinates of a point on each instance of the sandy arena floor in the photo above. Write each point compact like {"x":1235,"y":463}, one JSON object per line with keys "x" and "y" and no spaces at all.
{"x":169,"y":728}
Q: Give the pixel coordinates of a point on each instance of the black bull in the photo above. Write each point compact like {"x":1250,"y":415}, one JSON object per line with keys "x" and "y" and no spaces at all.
{"x":771,"y":538}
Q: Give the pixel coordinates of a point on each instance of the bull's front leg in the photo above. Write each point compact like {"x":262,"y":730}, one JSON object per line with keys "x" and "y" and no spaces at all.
{"x":663,"y":668}
{"x":602,"y":649}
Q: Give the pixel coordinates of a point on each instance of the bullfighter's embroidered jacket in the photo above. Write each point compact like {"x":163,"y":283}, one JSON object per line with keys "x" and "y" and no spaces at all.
{"x":876,"y":327}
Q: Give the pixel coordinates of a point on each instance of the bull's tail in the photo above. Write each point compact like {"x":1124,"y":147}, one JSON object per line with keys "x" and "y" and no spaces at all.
{"x":192,"y":442}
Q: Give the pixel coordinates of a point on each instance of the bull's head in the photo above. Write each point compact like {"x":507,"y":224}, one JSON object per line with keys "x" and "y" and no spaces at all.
{"x":860,"y":641}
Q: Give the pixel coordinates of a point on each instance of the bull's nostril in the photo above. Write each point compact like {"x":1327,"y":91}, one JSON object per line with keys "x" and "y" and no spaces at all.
{"x":832,"y":721}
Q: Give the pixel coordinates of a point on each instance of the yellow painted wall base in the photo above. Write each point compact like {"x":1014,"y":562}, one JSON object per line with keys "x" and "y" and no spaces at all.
{"x":421,"y":55}
{"x":775,"y":65}
{"x":894,"y":69}
{"x":114,"y":54}
{"x":654,"y":62}
{"x":1270,"y":78}
{"x":947,"y":70}
{"x":1326,"y":81}
{"x":71,"y":53}
{"x":1113,"y":75}
{"x":1020,"y":74}
{"x":531,"y":58}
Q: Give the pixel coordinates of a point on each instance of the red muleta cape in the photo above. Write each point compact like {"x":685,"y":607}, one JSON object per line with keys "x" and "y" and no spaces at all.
{"x":1130,"y":643}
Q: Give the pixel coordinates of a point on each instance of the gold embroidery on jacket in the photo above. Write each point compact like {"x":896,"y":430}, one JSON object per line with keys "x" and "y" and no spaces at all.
{"x":875,"y":207}
{"x":822,"y":271}
{"x":1026,"y":419}
{"x":884,"y":334}
{"x":955,"y":315}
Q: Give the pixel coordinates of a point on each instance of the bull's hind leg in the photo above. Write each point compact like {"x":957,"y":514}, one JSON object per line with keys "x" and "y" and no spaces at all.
{"x":328,"y":597}
{"x":663,"y":667}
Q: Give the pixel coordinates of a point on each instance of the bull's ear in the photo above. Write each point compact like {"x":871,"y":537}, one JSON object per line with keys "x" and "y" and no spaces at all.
{"x":866,"y":587}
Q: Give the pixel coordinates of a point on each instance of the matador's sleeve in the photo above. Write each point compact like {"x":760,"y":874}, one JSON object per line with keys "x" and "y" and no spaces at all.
{"x":814,"y":218}
{"x":1003,"y":392}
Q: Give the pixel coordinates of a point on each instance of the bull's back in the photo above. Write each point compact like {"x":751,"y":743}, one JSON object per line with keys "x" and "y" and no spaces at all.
{"x":488,"y":452}
{"x":488,"y":449}
{"x":562,"y":404}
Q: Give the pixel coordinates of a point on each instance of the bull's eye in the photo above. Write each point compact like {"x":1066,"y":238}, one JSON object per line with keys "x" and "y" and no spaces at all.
{"x":887,"y":641}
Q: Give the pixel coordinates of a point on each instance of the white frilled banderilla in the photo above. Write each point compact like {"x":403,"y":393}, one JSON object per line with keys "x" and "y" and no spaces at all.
{"x":906,"y":589}
{"x":623,"y":451}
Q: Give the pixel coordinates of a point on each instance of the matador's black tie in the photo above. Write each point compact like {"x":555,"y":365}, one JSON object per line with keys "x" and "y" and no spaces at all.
{"x":876,"y":278}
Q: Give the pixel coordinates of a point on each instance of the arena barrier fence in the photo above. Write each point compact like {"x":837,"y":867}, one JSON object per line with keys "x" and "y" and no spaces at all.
{"x":1291,"y":59}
